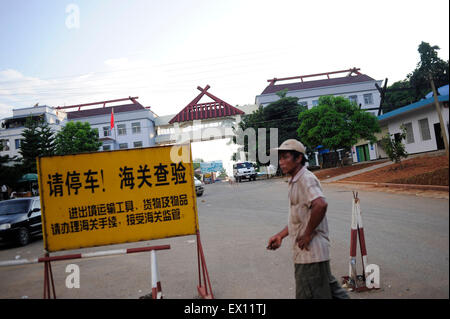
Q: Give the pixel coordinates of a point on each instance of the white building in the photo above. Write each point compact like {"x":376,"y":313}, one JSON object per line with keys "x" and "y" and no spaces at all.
{"x":134,"y":125}
{"x":422,"y":124}
{"x":355,"y":86}
{"x":12,"y":127}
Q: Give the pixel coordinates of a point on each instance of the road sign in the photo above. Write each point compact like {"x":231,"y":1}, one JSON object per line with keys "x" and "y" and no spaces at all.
{"x":105,"y":198}
{"x":209,"y":167}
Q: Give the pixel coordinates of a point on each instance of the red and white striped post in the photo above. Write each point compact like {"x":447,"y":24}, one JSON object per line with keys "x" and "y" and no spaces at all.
{"x":156,"y":283}
{"x":357,"y":232}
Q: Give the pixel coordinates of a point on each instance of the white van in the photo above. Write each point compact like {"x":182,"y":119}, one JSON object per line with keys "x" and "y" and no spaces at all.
{"x":244,"y":170}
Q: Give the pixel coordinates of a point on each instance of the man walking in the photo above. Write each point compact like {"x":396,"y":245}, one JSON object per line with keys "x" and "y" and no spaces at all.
{"x":307,"y":228}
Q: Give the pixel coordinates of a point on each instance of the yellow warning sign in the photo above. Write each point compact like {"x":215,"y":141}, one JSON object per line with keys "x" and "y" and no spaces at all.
{"x":105,"y":198}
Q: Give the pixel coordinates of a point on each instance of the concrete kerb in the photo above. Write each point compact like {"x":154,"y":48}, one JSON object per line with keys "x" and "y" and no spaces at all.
{"x":404,"y":186}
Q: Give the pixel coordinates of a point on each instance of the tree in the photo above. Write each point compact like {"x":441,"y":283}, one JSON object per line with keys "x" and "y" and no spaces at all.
{"x":281,"y":114}
{"x":400,"y":95}
{"x":223,"y":173}
{"x":394,"y":147}
{"x":417,"y":84}
{"x":38,"y":140}
{"x":30,"y":145}
{"x":336,"y":123}
{"x":10,"y":171}
{"x":46,"y":139}
{"x":77,"y":137}
{"x":429,"y":63}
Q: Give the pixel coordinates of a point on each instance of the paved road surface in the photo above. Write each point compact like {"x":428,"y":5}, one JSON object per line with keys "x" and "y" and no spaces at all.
{"x":407,"y":236}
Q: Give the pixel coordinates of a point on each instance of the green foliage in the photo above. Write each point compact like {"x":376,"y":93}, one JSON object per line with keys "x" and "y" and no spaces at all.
{"x":29,"y":148}
{"x":10,"y":171}
{"x":37,"y":140}
{"x":429,"y":64}
{"x":336,"y":123}
{"x":394,"y":147}
{"x":47,"y":139}
{"x":418,"y":79}
{"x":398,"y":98}
{"x":223,"y":173}
{"x":77,"y":137}
{"x":281,"y":114}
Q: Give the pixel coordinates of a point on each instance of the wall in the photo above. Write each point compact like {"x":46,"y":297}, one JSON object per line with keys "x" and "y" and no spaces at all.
{"x":420,"y":145}
{"x":146,"y":135}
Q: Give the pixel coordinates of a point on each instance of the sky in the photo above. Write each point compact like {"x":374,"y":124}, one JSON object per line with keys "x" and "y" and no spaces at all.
{"x":72,"y":52}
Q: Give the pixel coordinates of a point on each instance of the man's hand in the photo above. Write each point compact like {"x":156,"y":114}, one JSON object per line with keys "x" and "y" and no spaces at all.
{"x":274,"y":242}
{"x":304,"y":240}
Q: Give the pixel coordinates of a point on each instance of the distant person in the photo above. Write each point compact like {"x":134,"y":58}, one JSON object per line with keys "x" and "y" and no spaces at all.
{"x":307,"y":228}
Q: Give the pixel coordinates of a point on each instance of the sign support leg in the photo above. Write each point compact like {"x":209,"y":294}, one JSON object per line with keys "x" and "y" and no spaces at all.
{"x":48,"y":278}
{"x":203,"y":290}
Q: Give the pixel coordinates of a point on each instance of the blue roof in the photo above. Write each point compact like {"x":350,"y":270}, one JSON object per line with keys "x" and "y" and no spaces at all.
{"x":443,"y":90}
{"x":411,"y":107}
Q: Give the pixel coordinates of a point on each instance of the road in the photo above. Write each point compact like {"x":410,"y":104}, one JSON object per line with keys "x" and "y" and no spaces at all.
{"x":406,"y":236}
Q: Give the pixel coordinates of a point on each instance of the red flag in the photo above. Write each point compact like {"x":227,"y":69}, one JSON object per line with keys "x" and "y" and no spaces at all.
{"x":112,"y":118}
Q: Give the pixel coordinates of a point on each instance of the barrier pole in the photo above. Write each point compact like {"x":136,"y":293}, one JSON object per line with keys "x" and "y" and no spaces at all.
{"x":156,"y":283}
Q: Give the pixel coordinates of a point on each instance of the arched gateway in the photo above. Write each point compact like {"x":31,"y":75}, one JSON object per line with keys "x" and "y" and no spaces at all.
{"x":200,"y":121}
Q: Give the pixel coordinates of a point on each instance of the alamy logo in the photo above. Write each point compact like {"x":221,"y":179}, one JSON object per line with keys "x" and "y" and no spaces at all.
{"x":73,"y":279}
{"x":373,"y":276}
{"x":73,"y":19}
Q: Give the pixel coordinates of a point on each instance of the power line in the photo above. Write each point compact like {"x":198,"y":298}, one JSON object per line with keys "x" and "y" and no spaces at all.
{"x":140,"y":67}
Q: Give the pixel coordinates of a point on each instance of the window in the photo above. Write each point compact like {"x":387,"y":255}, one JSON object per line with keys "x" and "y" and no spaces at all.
{"x":106,"y":131}
{"x":137,"y":144}
{"x":123,"y":146}
{"x":4,"y":145}
{"x":424,"y":129}
{"x":409,"y":133}
{"x":315,"y":102}
{"x":353,"y":98}
{"x":18,"y":142}
{"x":121,"y":129}
{"x":368,"y":98}
{"x":106,"y":147}
{"x":136,"y":127}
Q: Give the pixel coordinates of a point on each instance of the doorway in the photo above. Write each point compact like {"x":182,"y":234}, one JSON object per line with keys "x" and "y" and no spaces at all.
{"x":439,"y":140}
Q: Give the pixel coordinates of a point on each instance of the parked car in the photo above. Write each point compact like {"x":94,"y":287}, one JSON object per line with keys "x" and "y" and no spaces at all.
{"x":199,"y":189}
{"x":20,"y":219}
{"x":244,"y":170}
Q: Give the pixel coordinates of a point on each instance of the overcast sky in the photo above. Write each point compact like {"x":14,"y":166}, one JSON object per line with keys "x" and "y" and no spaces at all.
{"x":72,"y":52}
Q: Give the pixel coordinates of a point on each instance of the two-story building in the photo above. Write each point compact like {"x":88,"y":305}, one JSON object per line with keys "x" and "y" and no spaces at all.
{"x":12,"y":127}
{"x":354,"y":85}
{"x":134,"y":125}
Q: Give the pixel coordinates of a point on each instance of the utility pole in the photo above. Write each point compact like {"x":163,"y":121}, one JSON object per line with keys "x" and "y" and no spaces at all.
{"x":441,"y":119}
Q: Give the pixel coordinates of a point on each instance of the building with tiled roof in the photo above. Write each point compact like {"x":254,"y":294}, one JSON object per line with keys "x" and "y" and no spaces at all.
{"x":134,"y":124}
{"x":308,"y":88}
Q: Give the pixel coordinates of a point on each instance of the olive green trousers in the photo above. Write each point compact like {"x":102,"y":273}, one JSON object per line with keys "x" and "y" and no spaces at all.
{"x":315,"y":281}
